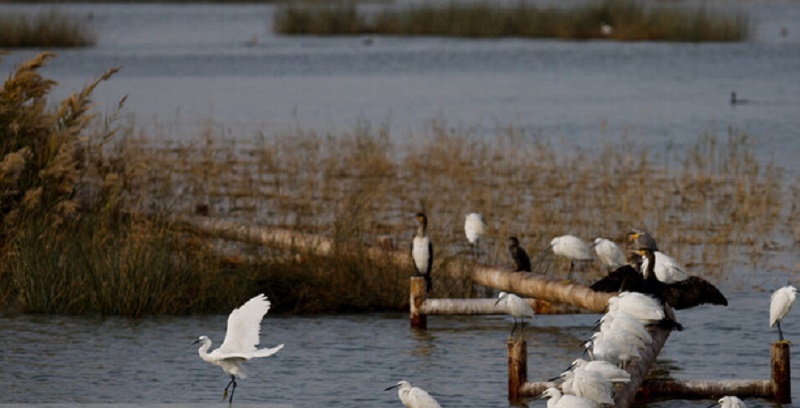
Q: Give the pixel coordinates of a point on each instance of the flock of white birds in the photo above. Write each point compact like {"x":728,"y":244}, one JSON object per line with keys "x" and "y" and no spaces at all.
{"x":622,"y":331}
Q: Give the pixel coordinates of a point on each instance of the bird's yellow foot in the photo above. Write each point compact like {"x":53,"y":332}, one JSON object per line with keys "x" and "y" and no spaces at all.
{"x":225,"y":394}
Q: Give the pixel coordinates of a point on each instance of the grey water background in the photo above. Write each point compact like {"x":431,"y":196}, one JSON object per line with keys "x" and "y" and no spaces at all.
{"x":184,"y":66}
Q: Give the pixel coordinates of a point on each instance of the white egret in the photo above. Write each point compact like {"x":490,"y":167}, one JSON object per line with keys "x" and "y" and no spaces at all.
{"x":609,"y":253}
{"x":413,"y":397}
{"x":558,"y":400}
{"x":729,"y":402}
{"x":592,"y":386}
{"x":625,"y":323}
{"x":572,"y":248}
{"x":518,"y":254}
{"x":422,"y":251}
{"x":474,"y":228}
{"x":516,"y":307}
{"x":616,"y":348}
{"x":645,"y":308}
{"x":666,"y":269}
{"x":241,"y":339}
{"x":604,"y":368}
{"x":780,"y":304}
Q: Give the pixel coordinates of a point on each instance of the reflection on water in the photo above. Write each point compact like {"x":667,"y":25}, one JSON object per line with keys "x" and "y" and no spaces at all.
{"x":348,"y":360}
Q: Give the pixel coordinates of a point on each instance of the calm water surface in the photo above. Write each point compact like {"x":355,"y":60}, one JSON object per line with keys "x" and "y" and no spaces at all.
{"x":183,"y":65}
{"x":346,"y":361}
{"x":186,"y":64}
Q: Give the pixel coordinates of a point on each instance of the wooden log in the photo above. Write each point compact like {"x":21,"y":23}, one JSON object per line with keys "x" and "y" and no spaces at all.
{"x":704,"y":389}
{"x":488,"y":307}
{"x":781,"y":372}
{"x":625,"y":394}
{"x":529,"y":284}
{"x":419,"y":320}
{"x":517,"y":367}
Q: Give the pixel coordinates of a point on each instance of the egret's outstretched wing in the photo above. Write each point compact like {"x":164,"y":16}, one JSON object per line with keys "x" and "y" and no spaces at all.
{"x":244,"y":326}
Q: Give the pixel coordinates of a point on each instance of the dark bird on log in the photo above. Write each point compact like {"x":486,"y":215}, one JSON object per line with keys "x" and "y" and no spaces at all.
{"x":518,"y":254}
{"x":690,"y":292}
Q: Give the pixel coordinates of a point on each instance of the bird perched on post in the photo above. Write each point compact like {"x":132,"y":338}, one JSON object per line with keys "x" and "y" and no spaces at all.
{"x":414,"y":397}
{"x":780,"y":303}
{"x":570,"y":247}
{"x":241,"y":339}
{"x":516,"y":307}
{"x":518,"y":254}
{"x":474,"y":228}
{"x":422,"y":251}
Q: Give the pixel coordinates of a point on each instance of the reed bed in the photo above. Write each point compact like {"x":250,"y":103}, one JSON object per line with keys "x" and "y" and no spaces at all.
{"x":625,"y":20}
{"x":86,"y":203}
{"x":45,"y":29}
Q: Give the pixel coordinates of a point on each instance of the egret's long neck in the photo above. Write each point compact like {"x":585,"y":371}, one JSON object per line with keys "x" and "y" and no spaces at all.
{"x":203,"y":350}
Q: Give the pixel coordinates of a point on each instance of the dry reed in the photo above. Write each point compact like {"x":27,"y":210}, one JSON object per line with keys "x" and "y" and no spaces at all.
{"x":46,"y":29}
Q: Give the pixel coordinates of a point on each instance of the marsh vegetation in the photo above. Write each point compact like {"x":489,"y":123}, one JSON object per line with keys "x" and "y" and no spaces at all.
{"x":86,"y":204}
{"x":624,"y":20}
{"x":48,"y":29}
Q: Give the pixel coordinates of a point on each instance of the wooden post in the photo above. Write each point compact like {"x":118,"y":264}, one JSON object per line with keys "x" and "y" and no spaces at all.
{"x":517,"y":367}
{"x":416,"y":298}
{"x":781,"y":372}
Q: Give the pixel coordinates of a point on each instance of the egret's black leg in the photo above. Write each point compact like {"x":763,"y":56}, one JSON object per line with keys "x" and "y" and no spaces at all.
{"x":571,"y":264}
{"x":780,"y":332}
{"x":230,"y":401}
{"x":225,"y":393}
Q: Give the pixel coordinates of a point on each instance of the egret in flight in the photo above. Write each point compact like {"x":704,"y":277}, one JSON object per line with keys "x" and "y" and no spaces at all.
{"x":780,"y":304}
{"x":422,"y":251}
{"x":240,"y":342}
{"x":413,"y":397}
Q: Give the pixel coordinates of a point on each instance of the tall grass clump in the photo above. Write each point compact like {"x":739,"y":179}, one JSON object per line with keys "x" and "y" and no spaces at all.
{"x":72,"y":240}
{"x":629,"y":20}
{"x":46,"y":29}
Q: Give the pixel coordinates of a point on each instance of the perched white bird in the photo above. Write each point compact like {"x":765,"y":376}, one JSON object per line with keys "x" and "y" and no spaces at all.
{"x":558,"y":400}
{"x":422,"y":251}
{"x":605,"y":369}
{"x":474,"y":228}
{"x":667,"y":270}
{"x":592,"y":386}
{"x":780,"y":304}
{"x":413,"y":397}
{"x":615,"y":347}
{"x":730,"y":402}
{"x":572,"y":248}
{"x":627,"y":324}
{"x":643,"y":307}
{"x":609,"y":253}
{"x":516,"y":307}
{"x":241,"y":339}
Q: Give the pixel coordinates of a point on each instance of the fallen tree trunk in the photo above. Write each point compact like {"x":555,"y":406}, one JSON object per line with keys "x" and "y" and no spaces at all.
{"x":704,"y":389}
{"x":488,"y":307}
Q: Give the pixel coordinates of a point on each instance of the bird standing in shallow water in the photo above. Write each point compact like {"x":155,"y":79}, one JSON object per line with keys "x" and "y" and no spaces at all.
{"x":780,"y":303}
{"x":241,"y":339}
{"x":422,"y":251}
{"x":474,"y":228}
{"x":414,"y":397}
{"x":518,"y":254}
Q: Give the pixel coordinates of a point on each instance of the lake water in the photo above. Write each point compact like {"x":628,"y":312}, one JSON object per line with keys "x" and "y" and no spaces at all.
{"x":347,"y":361}
{"x":186,"y":65}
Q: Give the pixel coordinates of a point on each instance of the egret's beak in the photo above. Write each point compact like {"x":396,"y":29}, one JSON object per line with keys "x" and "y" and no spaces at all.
{"x":554,"y":378}
{"x":541,"y":396}
{"x":196,"y":341}
{"x":389,"y":388}
{"x":714,"y":405}
{"x":497,"y":301}
{"x":593,"y":244}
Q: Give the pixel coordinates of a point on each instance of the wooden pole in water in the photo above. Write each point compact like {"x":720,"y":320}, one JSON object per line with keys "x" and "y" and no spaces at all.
{"x":781,"y":372}
{"x":517,"y":367}
{"x":417,"y":296}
